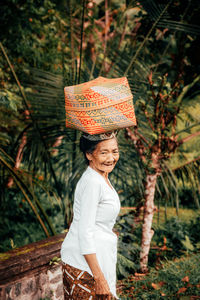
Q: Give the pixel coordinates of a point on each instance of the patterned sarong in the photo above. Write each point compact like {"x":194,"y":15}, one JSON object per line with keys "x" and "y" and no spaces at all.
{"x":77,"y":284}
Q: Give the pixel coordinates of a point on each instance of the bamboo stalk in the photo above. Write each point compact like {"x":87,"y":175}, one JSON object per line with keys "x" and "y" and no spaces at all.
{"x":81,"y":48}
{"x":72,"y":39}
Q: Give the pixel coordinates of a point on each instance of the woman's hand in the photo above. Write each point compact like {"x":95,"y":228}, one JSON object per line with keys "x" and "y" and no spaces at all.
{"x":102,"y":290}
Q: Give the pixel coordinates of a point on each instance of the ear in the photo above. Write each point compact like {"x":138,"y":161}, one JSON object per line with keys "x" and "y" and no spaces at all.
{"x":89,"y":156}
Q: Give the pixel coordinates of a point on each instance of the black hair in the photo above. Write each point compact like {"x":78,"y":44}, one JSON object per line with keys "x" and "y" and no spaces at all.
{"x":87,"y":146}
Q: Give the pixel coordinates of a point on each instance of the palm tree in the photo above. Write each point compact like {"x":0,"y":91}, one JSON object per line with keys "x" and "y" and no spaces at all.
{"x":120,"y":41}
{"x":162,"y":109}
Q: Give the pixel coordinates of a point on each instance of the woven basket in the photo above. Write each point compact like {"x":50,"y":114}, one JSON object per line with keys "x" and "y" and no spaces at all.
{"x":99,"y":105}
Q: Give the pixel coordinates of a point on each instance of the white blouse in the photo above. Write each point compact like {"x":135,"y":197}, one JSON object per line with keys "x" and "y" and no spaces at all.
{"x":96,"y":206}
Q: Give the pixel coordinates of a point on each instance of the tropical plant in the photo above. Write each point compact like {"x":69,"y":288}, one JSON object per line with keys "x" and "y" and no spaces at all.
{"x":176,"y":279}
{"x":160,"y":106}
{"x":157,"y":145}
{"x":44,"y":129}
{"x":112,"y":39}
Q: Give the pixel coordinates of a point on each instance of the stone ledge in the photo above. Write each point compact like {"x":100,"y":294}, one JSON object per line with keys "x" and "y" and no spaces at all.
{"x":25,"y":273}
{"x":29,"y":258}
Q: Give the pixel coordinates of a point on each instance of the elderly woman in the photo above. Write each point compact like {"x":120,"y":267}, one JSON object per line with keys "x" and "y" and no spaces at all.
{"x":89,"y":250}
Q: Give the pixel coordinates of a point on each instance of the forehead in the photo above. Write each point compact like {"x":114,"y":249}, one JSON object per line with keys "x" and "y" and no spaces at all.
{"x":107,"y":144}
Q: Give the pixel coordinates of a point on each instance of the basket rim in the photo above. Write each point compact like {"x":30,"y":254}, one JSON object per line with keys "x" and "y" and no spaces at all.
{"x":92,"y":92}
{"x":114,"y":102}
{"x":96,"y":79}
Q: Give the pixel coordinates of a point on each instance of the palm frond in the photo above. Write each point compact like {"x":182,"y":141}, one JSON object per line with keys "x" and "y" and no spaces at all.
{"x":24,"y":189}
{"x":180,"y":26}
{"x":154,"y":9}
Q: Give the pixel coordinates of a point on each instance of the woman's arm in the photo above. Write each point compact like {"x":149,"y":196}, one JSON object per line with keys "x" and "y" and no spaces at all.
{"x":101,"y":285}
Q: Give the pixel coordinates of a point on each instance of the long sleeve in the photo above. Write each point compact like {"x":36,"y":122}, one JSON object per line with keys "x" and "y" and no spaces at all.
{"x":89,"y":200}
{"x":95,"y":209}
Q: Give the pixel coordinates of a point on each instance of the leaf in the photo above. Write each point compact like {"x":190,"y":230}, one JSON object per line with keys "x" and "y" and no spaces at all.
{"x":155,"y":286}
{"x":179,"y":26}
{"x":185,"y":279}
{"x":139,"y":274}
{"x":124,"y":264}
{"x":182,"y":290}
{"x":187,"y":243}
{"x":161,"y":283}
{"x":158,"y":285}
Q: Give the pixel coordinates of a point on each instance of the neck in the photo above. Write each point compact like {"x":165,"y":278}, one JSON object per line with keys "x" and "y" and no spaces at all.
{"x":104,"y":174}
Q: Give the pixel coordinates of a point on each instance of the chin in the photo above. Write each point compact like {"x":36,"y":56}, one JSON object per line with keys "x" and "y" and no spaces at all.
{"x":109,"y":169}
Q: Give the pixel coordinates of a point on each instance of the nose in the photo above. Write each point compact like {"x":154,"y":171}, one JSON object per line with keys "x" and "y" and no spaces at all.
{"x":110,"y":157}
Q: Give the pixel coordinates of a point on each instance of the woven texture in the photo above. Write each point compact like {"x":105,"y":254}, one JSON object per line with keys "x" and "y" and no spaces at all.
{"x":78,"y":284}
{"x":99,"y":105}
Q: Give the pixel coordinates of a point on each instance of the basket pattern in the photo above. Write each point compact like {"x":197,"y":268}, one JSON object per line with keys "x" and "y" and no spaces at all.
{"x":99,"y":105}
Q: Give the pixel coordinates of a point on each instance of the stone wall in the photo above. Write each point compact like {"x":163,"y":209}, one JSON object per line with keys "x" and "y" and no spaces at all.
{"x":32,"y":272}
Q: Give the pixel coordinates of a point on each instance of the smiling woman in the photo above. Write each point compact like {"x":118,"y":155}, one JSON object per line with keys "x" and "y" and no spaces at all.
{"x":104,"y":157}
{"x":89,"y":251}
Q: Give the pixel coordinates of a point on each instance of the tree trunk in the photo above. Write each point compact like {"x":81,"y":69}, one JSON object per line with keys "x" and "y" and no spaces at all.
{"x":147,"y":232}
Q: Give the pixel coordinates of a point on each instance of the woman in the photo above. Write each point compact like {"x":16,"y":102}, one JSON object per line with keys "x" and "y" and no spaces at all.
{"x":89,"y":251}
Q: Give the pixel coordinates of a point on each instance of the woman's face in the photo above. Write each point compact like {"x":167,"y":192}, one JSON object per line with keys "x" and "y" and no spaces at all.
{"x":104,"y":158}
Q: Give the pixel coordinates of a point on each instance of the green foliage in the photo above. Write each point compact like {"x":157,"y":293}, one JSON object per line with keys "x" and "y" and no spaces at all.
{"x":187,"y":197}
{"x":181,"y":237}
{"x":128,"y":245}
{"x":18,"y":224}
{"x":124,"y":265}
{"x":175,"y":279}
{"x":173,"y":238}
{"x":55,"y":260}
{"x":46,"y":35}
{"x":34,"y":31}
{"x":193,"y":228}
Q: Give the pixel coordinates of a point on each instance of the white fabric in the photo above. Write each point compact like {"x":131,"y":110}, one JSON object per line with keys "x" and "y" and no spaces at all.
{"x":96,"y":206}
